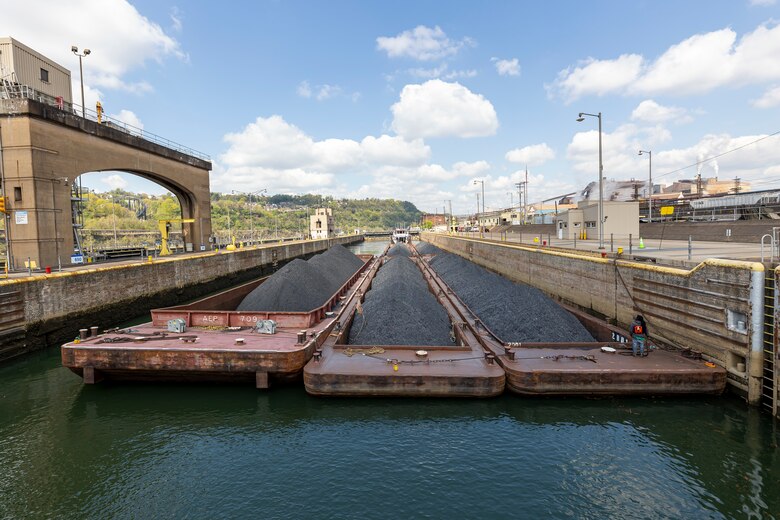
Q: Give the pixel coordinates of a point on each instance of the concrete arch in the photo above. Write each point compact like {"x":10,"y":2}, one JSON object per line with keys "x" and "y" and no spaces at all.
{"x":44,"y":150}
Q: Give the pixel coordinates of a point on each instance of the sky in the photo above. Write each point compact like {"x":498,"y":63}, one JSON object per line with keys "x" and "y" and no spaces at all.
{"x":429,"y":101}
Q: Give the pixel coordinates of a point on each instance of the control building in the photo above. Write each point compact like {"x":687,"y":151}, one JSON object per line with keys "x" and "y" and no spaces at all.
{"x":321,"y":224}
{"x":22,"y":67}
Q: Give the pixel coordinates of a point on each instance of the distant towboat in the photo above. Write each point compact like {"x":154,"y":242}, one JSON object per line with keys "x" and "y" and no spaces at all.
{"x":400,"y":235}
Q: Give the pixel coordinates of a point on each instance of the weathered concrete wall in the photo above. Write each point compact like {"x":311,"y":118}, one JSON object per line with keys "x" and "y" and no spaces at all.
{"x":698,"y":308}
{"x":57,"y":305}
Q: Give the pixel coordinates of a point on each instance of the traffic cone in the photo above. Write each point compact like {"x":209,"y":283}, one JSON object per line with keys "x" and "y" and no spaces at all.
{"x":641,"y":243}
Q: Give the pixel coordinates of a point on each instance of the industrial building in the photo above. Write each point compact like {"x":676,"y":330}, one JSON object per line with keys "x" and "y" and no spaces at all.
{"x":321,"y":224}
{"x":23,"y":68}
{"x":621,"y":219}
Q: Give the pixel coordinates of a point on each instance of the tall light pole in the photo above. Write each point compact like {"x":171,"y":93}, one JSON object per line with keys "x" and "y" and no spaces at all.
{"x":113,"y":218}
{"x":511,"y":199}
{"x":649,"y":185}
{"x":75,"y":50}
{"x":251,"y":216}
{"x":483,"y":197}
{"x":601,"y":180}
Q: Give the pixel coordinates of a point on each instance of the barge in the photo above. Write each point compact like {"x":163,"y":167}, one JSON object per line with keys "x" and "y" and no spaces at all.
{"x":208,"y":340}
{"x":603,"y":367}
{"x":461,"y":370}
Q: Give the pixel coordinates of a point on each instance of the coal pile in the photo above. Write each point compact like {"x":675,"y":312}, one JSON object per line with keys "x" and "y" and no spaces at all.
{"x":515,"y":312}
{"x":425,"y":248}
{"x":302,"y":286}
{"x":400,"y":310}
{"x":336,"y":265}
{"x":399,"y":249}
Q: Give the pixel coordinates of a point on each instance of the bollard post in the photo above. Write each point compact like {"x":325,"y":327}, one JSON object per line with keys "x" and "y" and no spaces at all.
{"x":611,"y":242}
{"x":29,"y":266}
{"x":690,"y":246}
{"x":630,"y":245}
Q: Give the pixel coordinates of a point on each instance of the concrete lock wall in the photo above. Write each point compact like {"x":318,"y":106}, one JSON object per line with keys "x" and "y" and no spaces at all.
{"x":52,"y":308}
{"x":709,"y":308}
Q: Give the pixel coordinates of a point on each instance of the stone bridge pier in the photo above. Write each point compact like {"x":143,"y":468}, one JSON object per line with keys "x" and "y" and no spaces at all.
{"x":43,"y":150}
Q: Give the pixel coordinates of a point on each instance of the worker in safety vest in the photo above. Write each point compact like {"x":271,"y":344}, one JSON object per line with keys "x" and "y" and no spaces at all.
{"x":639,"y":335}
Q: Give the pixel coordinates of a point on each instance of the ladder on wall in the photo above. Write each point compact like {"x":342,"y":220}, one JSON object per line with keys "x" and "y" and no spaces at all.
{"x":77,"y":212}
{"x":768,"y":390}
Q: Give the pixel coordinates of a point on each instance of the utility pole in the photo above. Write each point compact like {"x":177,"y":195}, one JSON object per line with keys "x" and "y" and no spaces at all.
{"x":698,"y":184}
{"x":525,"y":193}
{"x":737,"y":187}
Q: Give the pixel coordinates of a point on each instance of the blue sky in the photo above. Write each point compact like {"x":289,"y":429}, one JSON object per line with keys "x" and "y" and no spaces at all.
{"x":415,"y":100}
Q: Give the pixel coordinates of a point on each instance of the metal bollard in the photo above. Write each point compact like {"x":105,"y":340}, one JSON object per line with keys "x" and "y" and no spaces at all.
{"x":83,"y":333}
{"x":93,"y":331}
{"x":509,"y":353}
{"x":630,"y":245}
{"x":301,"y":337}
{"x":690,"y":246}
{"x":490,"y":358}
{"x":317,"y":356}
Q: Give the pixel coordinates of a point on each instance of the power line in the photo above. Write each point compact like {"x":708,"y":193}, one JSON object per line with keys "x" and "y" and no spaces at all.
{"x":719,"y":155}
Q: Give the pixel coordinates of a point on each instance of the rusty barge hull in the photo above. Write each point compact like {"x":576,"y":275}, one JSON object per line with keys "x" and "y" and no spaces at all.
{"x":219,"y":344}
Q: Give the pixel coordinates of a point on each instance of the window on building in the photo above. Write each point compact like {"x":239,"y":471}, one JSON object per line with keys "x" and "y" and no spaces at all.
{"x":319,"y":224}
{"x":44,"y":75}
{"x":17,"y":193}
{"x":590,"y":224}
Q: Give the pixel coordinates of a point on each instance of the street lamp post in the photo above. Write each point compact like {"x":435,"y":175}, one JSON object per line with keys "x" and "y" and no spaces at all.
{"x":113,"y":218}
{"x":251,"y":216}
{"x":649,"y":185}
{"x":483,"y":198}
{"x":75,"y":50}
{"x":601,"y":180}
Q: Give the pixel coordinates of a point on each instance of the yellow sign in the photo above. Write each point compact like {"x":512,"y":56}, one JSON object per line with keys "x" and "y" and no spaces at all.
{"x":667,"y":210}
{"x":2,"y":204}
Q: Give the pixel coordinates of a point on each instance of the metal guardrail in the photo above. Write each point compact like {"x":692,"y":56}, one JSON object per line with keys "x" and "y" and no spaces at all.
{"x":27,"y":92}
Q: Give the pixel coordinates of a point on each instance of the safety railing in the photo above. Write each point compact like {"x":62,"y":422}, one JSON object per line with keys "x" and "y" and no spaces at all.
{"x":27,"y":92}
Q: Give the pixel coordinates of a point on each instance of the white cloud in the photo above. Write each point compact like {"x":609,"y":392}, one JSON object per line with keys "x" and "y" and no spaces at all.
{"x":532,"y":155}
{"x":394,"y":150}
{"x":441,"y":72}
{"x":762,"y":3}
{"x":274,"y":154}
{"x":421,"y":43}
{"x":770,"y":98}
{"x":695,"y":65}
{"x":619,"y":152}
{"x":622,"y":162}
{"x":129,"y":117}
{"x":273,"y":148}
{"x":115,"y":181}
{"x":651,"y":112}
{"x":120,"y":38}
{"x":597,"y":77}
{"x":304,"y":89}
{"x":175,"y":15}
{"x":323,"y":92}
{"x":507,"y":67}
{"x":439,"y":109}
{"x":327,"y":91}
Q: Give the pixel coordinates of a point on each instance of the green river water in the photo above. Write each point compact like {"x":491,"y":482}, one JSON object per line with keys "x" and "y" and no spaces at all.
{"x":216,"y":451}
